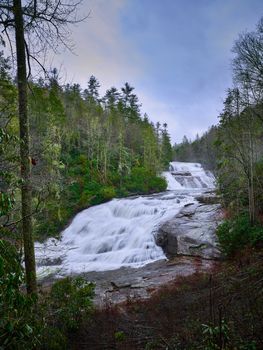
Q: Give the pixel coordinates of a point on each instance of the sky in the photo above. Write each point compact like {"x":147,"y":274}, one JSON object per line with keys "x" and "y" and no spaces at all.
{"x":176,"y":53}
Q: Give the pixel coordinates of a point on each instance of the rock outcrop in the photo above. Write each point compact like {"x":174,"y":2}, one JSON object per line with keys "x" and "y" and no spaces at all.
{"x":191,"y":232}
{"x":209,"y":197}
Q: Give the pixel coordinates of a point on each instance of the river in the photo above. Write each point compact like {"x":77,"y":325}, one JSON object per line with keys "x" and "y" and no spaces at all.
{"x":120,"y":233}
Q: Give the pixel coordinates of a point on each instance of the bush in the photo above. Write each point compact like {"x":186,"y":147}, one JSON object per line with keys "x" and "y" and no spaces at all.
{"x":142,"y":180}
{"x":158,"y":184}
{"x":30,"y":323}
{"x":214,"y":337}
{"x":18,"y":328}
{"x":61,"y":312}
{"x":236,"y":234}
{"x":107,"y":193}
{"x":70,"y":301}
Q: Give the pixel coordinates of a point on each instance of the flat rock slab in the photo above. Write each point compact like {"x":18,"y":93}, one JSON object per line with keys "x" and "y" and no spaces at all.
{"x":127,"y":283}
{"x":191,"y":232}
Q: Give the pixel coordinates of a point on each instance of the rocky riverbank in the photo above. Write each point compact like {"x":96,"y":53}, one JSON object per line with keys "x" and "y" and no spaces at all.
{"x":191,"y":232}
{"x":139,"y":283}
{"x":130,"y":247}
{"x":189,"y":242}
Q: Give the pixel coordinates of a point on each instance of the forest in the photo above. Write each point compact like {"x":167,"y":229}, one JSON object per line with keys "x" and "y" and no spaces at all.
{"x":112,"y":151}
{"x":65,"y":148}
{"x":233,"y":148}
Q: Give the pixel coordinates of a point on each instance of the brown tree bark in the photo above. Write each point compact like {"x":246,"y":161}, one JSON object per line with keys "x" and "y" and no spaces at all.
{"x":26,"y":191}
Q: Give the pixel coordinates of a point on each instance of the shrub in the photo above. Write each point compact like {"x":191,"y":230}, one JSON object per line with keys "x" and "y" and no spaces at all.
{"x":107,"y":193}
{"x":62,"y":311}
{"x":215,"y":337}
{"x":18,"y":328}
{"x":157,"y":183}
{"x":30,"y":323}
{"x":70,"y":301}
{"x":142,"y":180}
{"x":236,"y":234}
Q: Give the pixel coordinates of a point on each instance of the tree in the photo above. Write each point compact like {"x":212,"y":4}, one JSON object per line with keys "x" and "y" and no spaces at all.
{"x":130,"y":102}
{"x":126,"y":93}
{"x":248,"y":67}
{"x":166,"y":147}
{"x":41,"y":24}
{"x":239,"y":137}
{"x":8,"y":146}
{"x":247,"y":102}
{"x":91,"y":94}
{"x":111,"y":97}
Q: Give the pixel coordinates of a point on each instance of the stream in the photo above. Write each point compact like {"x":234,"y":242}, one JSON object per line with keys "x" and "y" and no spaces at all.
{"x":120,"y":234}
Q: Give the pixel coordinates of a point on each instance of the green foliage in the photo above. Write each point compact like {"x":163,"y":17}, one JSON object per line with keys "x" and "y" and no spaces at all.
{"x":166,"y":148}
{"x":8,"y":143}
{"x":248,"y":345}
{"x":142,"y":180}
{"x":17,"y":324}
{"x":30,"y":323}
{"x":108,"y":193}
{"x":88,"y":150}
{"x":157,"y":184}
{"x":202,"y":149}
{"x":236,"y":234}
{"x":215,"y":337}
{"x":119,"y":336}
{"x":52,"y":338}
{"x":70,"y":301}
{"x":6,"y":203}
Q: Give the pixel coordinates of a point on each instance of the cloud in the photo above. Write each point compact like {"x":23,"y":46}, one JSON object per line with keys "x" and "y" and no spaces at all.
{"x":177,"y":54}
{"x":182,"y":118}
{"x":101,"y":48}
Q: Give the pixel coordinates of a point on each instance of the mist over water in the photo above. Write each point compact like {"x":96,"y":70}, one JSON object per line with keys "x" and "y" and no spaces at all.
{"x":121,"y":232}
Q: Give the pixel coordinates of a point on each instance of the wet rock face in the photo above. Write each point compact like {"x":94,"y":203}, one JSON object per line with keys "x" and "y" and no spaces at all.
{"x":191,"y":232}
{"x":181,"y":173}
{"x":208,"y":198}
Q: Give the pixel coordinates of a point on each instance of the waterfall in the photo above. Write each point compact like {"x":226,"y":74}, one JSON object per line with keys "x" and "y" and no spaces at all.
{"x":188,"y":176}
{"x":121,"y":232}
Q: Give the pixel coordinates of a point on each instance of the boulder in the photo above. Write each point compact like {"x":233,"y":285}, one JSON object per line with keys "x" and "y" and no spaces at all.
{"x":208,"y":198}
{"x":191,"y":232}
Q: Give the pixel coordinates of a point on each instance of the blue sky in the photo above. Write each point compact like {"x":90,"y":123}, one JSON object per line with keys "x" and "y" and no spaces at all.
{"x":176,"y":53}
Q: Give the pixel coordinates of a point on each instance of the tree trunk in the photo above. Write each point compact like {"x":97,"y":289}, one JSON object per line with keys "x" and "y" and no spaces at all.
{"x":26,"y":192}
{"x":252,"y":206}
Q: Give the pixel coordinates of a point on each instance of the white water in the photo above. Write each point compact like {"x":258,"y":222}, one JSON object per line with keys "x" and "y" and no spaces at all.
{"x":121,"y":232}
{"x":199,"y":177}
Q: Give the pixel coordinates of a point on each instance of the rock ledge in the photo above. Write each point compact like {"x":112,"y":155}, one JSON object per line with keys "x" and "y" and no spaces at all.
{"x":191,"y":232}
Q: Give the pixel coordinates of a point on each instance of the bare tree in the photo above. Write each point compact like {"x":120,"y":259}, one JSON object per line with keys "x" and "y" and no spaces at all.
{"x":36,"y":26}
{"x":248,"y":68}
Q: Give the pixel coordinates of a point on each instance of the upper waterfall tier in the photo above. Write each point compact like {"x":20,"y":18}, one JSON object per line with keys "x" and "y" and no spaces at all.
{"x":183,"y":175}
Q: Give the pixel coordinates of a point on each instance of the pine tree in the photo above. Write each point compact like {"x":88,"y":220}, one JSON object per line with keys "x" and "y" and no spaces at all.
{"x":166,"y":147}
{"x":91,"y":94}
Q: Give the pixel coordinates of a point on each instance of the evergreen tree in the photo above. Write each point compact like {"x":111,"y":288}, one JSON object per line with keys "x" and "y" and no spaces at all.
{"x":111,"y":97}
{"x":91,"y":94}
{"x":166,"y":147}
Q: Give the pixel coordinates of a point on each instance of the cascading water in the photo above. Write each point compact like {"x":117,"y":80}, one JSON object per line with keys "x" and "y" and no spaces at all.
{"x":188,"y":176}
{"x":121,"y":232}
